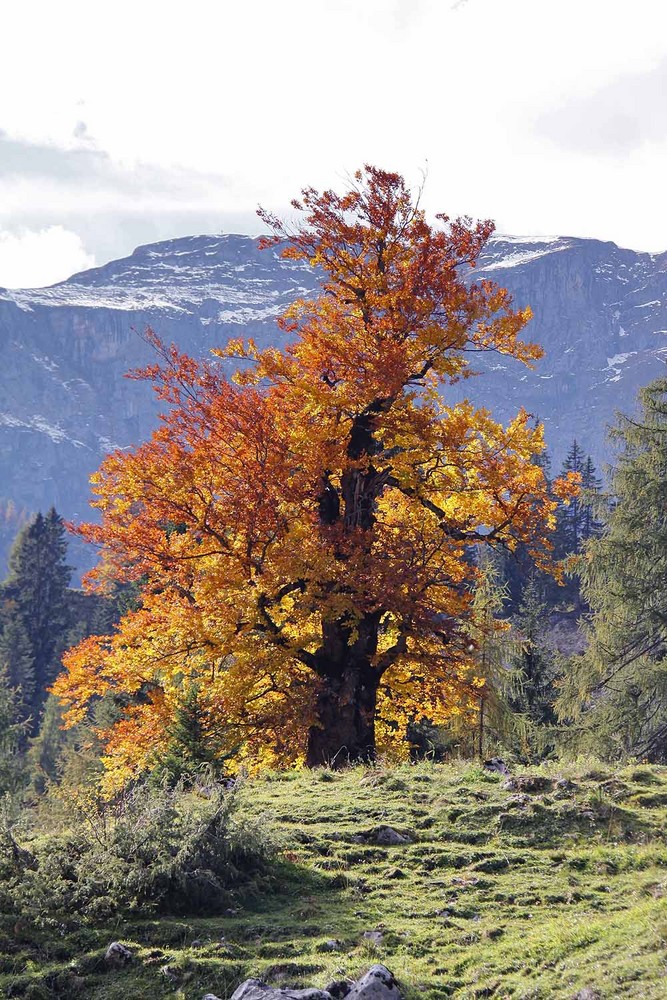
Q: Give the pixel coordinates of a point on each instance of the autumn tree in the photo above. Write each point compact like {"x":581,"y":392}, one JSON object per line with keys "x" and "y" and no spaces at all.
{"x":305,"y":529}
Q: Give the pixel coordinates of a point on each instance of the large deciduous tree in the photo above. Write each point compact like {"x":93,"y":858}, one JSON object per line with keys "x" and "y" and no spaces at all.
{"x":306,"y":529}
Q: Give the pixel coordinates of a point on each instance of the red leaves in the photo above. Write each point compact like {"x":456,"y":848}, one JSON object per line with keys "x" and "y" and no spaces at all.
{"x":329,"y":485}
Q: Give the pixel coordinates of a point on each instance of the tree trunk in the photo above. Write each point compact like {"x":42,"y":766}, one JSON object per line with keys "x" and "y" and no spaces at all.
{"x":345,"y":729}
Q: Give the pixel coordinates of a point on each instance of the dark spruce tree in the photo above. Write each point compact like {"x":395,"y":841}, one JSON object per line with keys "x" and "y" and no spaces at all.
{"x":616,"y":691}
{"x":17,"y":664}
{"x":533,"y":658}
{"x":576,"y":521}
{"x":34,"y":604}
{"x":12,"y":739}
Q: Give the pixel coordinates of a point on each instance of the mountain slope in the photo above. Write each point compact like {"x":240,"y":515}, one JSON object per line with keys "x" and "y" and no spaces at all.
{"x":600,"y":313}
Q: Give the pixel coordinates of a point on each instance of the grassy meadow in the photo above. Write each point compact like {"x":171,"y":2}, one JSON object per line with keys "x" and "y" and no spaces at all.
{"x":537,"y":886}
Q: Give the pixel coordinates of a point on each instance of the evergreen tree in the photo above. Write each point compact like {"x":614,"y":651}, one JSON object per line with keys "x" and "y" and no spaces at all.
{"x":12,"y":731}
{"x":46,"y":748}
{"x":617,"y":690}
{"x":576,"y":521}
{"x":534,"y":660}
{"x":197,"y":738}
{"x":591,"y":485}
{"x":495,"y":679}
{"x":35,"y":599}
{"x":17,"y":663}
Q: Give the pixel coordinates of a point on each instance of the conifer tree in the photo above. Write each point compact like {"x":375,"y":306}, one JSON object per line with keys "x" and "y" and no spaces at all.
{"x":46,"y":748}
{"x":35,"y":603}
{"x":591,"y":484}
{"x":494,"y":680}
{"x":616,"y":691}
{"x":17,"y":663}
{"x":535,"y":696}
{"x":12,"y":731}
{"x":197,"y":737}
{"x":576,"y":520}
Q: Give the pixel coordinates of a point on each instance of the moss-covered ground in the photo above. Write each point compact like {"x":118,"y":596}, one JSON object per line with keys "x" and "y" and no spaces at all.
{"x":540,"y":889}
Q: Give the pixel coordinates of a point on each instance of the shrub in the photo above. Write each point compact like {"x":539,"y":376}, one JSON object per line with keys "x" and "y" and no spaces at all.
{"x":155,"y":849}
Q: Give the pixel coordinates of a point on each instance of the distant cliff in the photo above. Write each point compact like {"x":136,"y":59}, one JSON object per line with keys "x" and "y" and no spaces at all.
{"x":600,"y":313}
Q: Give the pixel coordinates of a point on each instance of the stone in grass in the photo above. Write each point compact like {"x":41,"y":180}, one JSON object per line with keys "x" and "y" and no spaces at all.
{"x":496,"y":764}
{"x":255,"y":989}
{"x":531,"y":783}
{"x":375,"y":937}
{"x":386,"y":836}
{"x":377,"y":984}
{"x":117,"y":955}
{"x":588,"y":993}
{"x":331,"y":945}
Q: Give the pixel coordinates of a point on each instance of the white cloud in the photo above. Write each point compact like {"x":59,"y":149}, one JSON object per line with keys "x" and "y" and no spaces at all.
{"x":187,"y":118}
{"x":34,"y":258}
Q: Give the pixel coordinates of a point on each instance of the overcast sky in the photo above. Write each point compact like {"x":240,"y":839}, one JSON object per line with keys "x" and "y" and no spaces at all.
{"x":131,"y":122}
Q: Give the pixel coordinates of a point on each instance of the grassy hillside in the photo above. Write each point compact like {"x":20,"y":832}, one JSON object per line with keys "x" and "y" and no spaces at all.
{"x":540,"y":889}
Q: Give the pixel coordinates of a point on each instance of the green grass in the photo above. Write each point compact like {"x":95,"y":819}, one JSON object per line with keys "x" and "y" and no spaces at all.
{"x":526,"y":892}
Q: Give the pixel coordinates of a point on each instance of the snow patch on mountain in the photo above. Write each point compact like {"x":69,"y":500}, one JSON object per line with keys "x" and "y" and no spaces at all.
{"x":42,"y":425}
{"x":503,"y":251}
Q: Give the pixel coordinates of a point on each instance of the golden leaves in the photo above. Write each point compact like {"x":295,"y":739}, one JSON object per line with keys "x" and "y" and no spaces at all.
{"x":328,"y":482}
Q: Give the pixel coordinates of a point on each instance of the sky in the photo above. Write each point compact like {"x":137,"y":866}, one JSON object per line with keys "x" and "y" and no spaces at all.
{"x":138,"y":121}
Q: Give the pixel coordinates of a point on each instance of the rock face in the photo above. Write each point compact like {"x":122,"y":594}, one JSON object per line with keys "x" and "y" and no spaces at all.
{"x":377,"y":984}
{"x":600,"y":313}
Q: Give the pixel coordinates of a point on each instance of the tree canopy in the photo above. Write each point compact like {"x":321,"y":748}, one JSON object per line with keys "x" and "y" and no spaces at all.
{"x":305,"y":530}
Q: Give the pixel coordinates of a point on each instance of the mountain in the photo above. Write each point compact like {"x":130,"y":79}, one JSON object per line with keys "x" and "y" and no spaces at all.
{"x":600,"y":312}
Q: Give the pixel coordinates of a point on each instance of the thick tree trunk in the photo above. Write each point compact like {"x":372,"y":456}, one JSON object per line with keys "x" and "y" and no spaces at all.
{"x":345,"y":726}
{"x":345,"y":730}
{"x":346,"y":702}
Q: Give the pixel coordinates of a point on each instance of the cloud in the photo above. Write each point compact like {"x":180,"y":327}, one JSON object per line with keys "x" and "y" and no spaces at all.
{"x":102,"y":204}
{"x":41,"y":257}
{"x":616,"y":120}
{"x":84,"y":165}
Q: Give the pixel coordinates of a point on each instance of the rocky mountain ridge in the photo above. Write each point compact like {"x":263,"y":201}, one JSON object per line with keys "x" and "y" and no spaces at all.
{"x":600,"y":312}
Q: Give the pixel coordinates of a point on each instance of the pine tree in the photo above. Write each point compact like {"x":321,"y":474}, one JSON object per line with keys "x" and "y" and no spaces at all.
{"x":534,"y":659}
{"x":12,"y":732}
{"x":197,"y":737}
{"x":17,"y":663}
{"x":46,"y":748}
{"x":591,"y":485}
{"x":576,"y":520}
{"x":617,"y":690}
{"x":35,"y":600}
{"x":496,"y":681}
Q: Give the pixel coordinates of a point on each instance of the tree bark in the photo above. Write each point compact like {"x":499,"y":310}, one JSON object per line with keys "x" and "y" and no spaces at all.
{"x":349,"y":678}
{"x":345,"y":729}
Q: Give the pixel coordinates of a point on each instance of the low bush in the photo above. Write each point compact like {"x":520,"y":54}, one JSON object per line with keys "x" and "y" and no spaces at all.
{"x":181,"y":850}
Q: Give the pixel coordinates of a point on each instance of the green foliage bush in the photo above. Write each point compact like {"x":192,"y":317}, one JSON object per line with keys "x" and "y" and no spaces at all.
{"x":154,"y":850}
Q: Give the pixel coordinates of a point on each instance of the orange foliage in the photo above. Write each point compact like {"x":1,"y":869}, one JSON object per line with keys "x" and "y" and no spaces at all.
{"x":306,"y":529}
